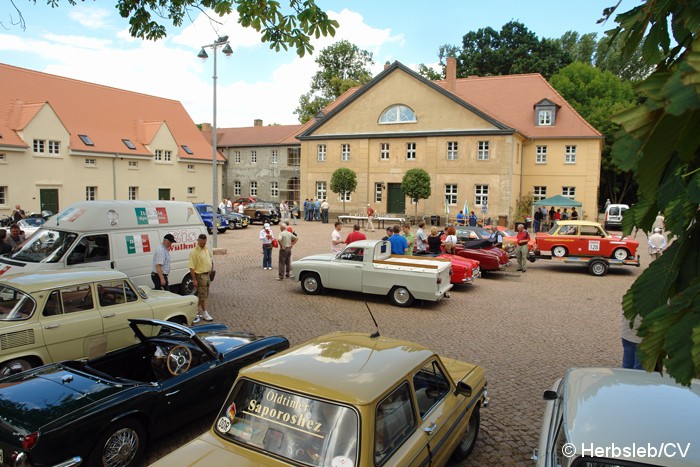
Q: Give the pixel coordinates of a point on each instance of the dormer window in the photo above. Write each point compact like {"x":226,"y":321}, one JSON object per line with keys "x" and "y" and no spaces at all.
{"x":545,"y":113}
{"x":397,"y":114}
{"x":86,"y":140}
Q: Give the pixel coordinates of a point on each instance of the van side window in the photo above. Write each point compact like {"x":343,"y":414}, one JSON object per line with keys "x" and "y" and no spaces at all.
{"x":90,"y":249}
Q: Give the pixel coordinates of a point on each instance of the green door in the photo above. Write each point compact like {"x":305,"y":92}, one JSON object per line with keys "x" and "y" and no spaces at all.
{"x":164,"y":194}
{"x":49,"y":200}
{"x":397,"y":199}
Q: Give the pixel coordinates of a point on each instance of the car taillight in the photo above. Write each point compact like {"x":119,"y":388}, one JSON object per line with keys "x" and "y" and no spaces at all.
{"x":29,"y":441}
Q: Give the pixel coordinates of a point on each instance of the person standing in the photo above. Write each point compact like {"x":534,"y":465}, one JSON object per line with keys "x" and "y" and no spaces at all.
{"x":399,"y":245}
{"x":266,"y":239}
{"x":630,"y":341}
{"x":659,"y":222}
{"x":16,"y":237}
{"x":370,"y":218}
{"x":574,"y":214}
{"x":241,"y":208}
{"x":17,"y":214}
{"x":473,"y":219}
{"x":410,"y":238}
{"x":222,"y":206}
{"x":607,"y":203}
{"x":434,"y":241}
{"x":355,"y":235}
{"x":336,"y":239}
{"x":201,"y":265}
{"x":538,"y":219}
{"x":657,"y":244}
{"x":161,"y":264}
{"x":295,"y":212}
{"x":460,"y":218}
{"x":4,"y":246}
{"x":565,"y":215}
{"x":317,"y":210}
{"x":286,"y":241}
{"x":552,"y":214}
{"x":523,"y":238}
{"x":324,"y":211}
{"x":389,"y":233}
{"x":421,"y":239}
{"x":557,"y":215}
{"x":451,"y":240}
{"x":496,"y":236}
{"x":305,"y":209}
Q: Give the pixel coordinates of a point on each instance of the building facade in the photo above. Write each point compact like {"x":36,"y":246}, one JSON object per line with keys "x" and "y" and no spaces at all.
{"x":63,"y":140}
{"x":484,"y":142}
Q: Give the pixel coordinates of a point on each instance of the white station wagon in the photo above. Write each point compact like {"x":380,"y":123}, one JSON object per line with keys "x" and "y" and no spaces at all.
{"x":604,"y":417}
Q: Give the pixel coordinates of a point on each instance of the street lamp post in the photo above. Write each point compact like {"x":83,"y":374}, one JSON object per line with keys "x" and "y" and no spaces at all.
{"x":221,"y":41}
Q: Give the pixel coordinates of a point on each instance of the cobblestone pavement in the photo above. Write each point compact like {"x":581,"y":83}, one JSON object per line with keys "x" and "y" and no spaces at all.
{"x":525,"y":329}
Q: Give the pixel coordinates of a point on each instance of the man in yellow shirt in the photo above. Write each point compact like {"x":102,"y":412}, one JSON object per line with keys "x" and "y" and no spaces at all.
{"x":201,"y":264}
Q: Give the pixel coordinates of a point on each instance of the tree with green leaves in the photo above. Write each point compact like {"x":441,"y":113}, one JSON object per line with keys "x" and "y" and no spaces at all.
{"x":598,"y":95}
{"x":282,"y":26}
{"x":343,"y":182}
{"x":660,"y":145}
{"x":342,"y":65}
{"x":513,"y":49}
{"x":416,"y":185}
{"x":580,"y":47}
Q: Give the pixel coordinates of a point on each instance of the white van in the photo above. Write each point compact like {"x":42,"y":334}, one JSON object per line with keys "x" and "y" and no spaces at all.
{"x":613,"y":215}
{"x":121,"y":235}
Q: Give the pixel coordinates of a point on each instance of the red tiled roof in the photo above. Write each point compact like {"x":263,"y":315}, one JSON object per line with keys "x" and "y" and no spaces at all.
{"x":255,"y":135}
{"x":107,"y":115}
{"x":510,"y":99}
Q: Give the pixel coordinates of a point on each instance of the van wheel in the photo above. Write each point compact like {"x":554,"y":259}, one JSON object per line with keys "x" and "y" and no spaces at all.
{"x":14,"y":366}
{"x":311,"y":283}
{"x":187,"y":286}
{"x":400,"y":296}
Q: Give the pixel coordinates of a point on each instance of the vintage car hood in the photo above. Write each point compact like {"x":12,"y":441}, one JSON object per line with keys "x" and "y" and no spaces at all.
{"x":33,"y":399}
{"x":320,"y":257}
{"x":457,"y":368}
{"x":208,"y":450}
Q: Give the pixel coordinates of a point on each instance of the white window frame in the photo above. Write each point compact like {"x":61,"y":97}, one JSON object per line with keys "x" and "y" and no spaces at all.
{"x":344,"y":152}
{"x":191,"y":191}
{"x":452,"y":150}
{"x":410,"y":151}
{"x":544,"y":118}
{"x":321,"y":190}
{"x":133,"y":193}
{"x":236,"y":188}
{"x":568,"y":192}
{"x":39,"y":146}
{"x":483,"y":149}
{"x":133,"y":165}
{"x":3,"y":195}
{"x":541,"y":154}
{"x":321,"y":153}
{"x":253,"y":188}
{"x":346,"y":195}
{"x":91,"y":162}
{"x":54,"y":147}
{"x":384,"y":151}
{"x":397,"y":113}
{"x":253,"y":156}
{"x":275,"y":156}
{"x":539,"y":193}
{"x":570,"y":154}
{"x":274,"y":189}
{"x":481,"y":194}
{"x":237,"y":157}
{"x":190,"y":167}
{"x":158,"y":156}
{"x":90,"y":193}
{"x":378,"y":192}
{"x":451,"y":193}
{"x":167,"y":155}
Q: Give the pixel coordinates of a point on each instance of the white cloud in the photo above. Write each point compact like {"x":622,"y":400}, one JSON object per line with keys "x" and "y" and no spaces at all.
{"x":91,"y":17}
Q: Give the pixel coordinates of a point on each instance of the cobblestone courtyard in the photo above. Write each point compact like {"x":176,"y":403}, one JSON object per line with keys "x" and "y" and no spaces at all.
{"x":525,"y":329}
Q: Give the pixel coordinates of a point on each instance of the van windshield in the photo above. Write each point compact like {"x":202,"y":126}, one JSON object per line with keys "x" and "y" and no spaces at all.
{"x":45,"y":246}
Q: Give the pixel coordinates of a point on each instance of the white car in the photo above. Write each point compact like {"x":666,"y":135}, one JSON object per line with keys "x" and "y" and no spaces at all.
{"x":610,"y":417}
{"x":30,"y":225}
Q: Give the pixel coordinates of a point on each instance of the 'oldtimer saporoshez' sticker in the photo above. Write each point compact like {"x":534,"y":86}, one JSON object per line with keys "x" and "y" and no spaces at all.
{"x":223,"y":425}
{"x":341,"y":461}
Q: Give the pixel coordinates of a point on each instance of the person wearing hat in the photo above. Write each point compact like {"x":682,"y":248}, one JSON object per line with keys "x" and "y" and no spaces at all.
{"x":657,"y":243}
{"x":266,"y":237}
{"x":161,"y":263}
{"x":201,"y":265}
{"x":370,"y":218}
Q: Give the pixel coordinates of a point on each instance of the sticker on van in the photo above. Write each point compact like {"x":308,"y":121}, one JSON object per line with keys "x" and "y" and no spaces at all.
{"x":70,"y":214}
{"x":137,"y":244}
{"x":150,"y":216}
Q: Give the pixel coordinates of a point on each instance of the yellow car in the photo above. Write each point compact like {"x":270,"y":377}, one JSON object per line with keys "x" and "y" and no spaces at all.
{"x":71,"y":314}
{"x":344,"y":400}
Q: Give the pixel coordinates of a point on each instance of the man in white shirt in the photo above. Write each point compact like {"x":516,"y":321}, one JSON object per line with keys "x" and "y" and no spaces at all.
{"x":222,"y":206}
{"x":161,"y":263}
{"x":421,"y":239}
{"x":657,"y":244}
{"x":336,"y":239}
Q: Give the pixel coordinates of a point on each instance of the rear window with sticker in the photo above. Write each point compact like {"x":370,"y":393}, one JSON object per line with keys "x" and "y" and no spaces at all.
{"x":302,"y":429}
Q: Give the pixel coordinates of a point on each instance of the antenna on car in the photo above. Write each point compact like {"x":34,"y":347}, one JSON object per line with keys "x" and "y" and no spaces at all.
{"x":375,"y":333}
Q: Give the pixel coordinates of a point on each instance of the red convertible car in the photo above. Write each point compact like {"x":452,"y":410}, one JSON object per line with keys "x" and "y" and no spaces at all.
{"x":489,"y":257}
{"x":585,"y":238}
{"x":464,"y":270}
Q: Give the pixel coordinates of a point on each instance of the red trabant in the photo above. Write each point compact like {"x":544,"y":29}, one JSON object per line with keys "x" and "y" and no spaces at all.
{"x":584,"y":238}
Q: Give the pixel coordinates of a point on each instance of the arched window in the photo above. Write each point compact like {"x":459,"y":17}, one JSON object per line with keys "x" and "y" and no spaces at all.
{"x":398,"y":114}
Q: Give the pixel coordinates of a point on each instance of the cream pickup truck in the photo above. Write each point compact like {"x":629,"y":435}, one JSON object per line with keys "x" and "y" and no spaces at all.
{"x":369,"y":267}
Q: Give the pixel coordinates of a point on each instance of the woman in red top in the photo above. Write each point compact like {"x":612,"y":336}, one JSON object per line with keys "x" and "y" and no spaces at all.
{"x":557,"y":216}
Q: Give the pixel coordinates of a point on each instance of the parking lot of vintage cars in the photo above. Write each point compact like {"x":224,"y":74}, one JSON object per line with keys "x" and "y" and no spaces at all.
{"x":525,"y":330}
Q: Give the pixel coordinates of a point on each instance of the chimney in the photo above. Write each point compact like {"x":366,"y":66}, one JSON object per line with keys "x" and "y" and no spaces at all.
{"x":206,"y":128}
{"x":387,"y":64}
{"x":451,"y":74}
{"x":257,"y":122}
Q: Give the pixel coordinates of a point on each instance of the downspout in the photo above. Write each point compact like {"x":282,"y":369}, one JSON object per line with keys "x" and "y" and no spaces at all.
{"x":114,"y":176}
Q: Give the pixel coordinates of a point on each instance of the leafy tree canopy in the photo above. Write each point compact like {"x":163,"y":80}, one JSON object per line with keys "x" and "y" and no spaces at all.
{"x":416,"y":185}
{"x":342,"y":66}
{"x":343,"y":181}
{"x":281,"y":26}
{"x":660,"y":144}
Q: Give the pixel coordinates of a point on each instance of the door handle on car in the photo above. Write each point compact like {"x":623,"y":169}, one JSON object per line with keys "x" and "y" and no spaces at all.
{"x":110,"y":315}
{"x":429,"y":429}
{"x":167,"y":394}
{"x":52,"y":326}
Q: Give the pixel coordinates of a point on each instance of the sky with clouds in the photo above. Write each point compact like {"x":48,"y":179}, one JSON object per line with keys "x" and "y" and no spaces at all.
{"x":91,"y":42}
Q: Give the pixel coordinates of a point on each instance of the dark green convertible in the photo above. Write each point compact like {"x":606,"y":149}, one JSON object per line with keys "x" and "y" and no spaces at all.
{"x":103,"y":411}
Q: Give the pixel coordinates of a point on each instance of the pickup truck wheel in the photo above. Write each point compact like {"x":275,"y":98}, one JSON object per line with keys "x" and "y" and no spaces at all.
{"x":468,"y":441}
{"x":598,"y":267}
{"x":311,"y":283}
{"x":122,"y":444}
{"x":14,"y":366}
{"x":559,"y":251}
{"x":621,"y":254}
{"x":400,"y":296}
